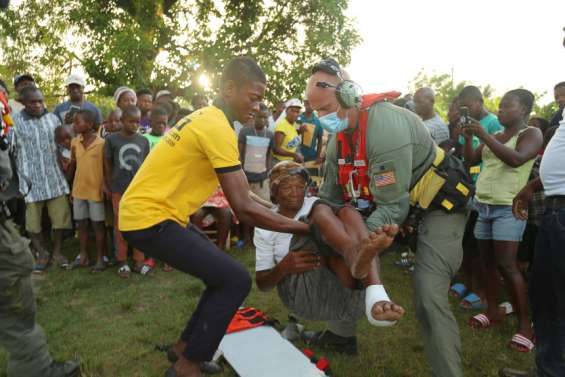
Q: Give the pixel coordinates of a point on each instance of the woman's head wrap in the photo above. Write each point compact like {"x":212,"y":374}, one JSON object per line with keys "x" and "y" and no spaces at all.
{"x":284,"y":170}
{"x":121,"y":90}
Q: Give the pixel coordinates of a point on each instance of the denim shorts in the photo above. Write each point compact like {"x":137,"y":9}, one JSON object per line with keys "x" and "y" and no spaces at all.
{"x":496,"y":222}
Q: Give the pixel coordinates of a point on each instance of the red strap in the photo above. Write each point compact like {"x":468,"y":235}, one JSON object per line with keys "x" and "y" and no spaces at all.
{"x":369,"y":100}
{"x":353,"y":164}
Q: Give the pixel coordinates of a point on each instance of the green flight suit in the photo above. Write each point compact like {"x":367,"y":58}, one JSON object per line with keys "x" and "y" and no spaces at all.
{"x":398,"y":142}
{"x":19,"y":334}
{"x":22,"y":337}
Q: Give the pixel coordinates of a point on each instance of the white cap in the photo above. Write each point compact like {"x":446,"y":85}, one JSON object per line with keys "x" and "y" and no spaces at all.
{"x":162,"y":93}
{"x":295,"y":102}
{"x":121,"y":90}
{"x":75,"y":78}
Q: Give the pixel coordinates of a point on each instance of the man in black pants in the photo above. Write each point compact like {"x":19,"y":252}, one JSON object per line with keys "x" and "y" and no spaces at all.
{"x":178,"y":176}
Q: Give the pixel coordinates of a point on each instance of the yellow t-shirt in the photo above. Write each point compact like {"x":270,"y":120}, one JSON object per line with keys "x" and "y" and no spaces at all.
{"x":291,"y":139}
{"x":180,"y":172}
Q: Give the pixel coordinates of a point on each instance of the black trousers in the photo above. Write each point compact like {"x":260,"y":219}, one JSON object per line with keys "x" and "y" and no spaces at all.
{"x":227,"y":282}
{"x":546,"y":294}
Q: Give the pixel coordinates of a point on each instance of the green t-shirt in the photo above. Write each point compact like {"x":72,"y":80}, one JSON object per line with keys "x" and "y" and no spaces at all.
{"x":153,"y":140}
{"x":491,"y":125}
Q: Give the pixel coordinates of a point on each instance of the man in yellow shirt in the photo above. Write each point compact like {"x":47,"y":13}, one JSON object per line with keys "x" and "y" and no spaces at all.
{"x":287,"y":139}
{"x":174,"y":181}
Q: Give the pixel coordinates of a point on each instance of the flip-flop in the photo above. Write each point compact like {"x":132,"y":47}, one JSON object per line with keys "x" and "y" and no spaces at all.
{"x":474,"y":302}
{"x":481,"y":322}
{"x":507,"y":308}
{"x":520,"y":343}
{"x":458,"y":290}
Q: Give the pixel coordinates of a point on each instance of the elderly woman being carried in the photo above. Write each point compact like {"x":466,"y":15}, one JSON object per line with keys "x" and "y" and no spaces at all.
{"x":331,"y":274}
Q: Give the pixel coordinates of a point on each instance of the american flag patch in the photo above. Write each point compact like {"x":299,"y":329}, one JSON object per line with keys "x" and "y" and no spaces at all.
{"x":385,"y":179}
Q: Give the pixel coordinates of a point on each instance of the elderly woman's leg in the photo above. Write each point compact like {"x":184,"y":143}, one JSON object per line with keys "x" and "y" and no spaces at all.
{"x":344,"y":230}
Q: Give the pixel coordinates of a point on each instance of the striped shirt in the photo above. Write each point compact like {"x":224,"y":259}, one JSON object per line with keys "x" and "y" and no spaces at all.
{"x":438,"y":129}
{"x":36,"y":157}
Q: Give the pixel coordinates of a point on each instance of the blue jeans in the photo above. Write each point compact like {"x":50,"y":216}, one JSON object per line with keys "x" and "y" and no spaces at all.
{"x":547,"y":295}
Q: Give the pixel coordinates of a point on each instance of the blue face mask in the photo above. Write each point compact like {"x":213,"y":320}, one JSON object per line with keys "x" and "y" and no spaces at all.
{"x":333,"y":124}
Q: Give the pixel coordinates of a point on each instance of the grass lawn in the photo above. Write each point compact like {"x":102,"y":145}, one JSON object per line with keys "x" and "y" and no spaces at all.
{"x":112,"y":325}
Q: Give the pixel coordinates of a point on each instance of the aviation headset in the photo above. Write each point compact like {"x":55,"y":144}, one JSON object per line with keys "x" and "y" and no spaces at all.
{"x":347,"y":92}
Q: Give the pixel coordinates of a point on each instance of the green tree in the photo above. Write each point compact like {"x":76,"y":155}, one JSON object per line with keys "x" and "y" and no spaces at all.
{"x":446,"y":90}
{"x":171,"y":43}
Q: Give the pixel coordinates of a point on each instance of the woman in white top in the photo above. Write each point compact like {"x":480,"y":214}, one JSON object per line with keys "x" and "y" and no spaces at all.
{"x":312,"y":280}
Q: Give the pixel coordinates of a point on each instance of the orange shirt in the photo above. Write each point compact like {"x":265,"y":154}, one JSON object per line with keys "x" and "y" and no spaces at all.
{"x":89,"y":175}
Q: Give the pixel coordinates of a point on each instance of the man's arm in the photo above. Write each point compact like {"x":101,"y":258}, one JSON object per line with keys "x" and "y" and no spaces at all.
{"x":235,"y":187}
{"x":319,"y":147}
{"x":524,"y":197}
{"x":108,"y":165}
{"x":295,"y":262}
{"x":529,"y":143}
{"x":391,"y":174}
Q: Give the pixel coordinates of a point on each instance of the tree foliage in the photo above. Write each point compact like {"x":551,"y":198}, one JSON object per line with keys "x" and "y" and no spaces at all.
{"x":446,"y":90}
{"x":170,"y":43}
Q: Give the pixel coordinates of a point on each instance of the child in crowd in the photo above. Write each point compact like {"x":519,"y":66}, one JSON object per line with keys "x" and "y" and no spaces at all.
{"x":111,"y":124}
{"x":145,"y":104}
{"x":124,"y":153}
{"x":124,"y":97}
{"x":63,"y":139}
{"x":159,"y":119}
{"x":158,"y":125}
{"x":87,"y":166}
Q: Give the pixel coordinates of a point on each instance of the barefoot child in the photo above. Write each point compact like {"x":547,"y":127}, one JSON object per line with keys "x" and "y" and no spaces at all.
{"x":87,"y":160}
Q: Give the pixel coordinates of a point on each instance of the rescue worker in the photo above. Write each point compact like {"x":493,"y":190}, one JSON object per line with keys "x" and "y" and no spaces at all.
{"x":384,"y":161}
{"x":22,"y":337}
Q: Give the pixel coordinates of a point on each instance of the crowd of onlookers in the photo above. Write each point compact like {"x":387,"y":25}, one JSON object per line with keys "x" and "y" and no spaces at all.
{"x":78,"y":164}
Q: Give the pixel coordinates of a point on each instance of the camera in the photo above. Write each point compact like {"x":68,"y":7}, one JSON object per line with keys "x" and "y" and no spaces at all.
{"x":464,"y":117}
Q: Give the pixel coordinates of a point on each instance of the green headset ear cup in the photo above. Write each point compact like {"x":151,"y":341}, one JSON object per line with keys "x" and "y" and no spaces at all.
{"x":348,"y":94}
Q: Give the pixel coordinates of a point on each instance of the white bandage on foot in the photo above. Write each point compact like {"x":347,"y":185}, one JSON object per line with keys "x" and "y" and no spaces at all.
{"x":374,"y":294}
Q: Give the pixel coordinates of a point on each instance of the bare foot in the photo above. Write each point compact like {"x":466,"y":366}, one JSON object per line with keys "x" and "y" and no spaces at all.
{"x":187,"y":368}
{"x":179,"y":347}
{"x":387,"y":311}
{"x":370,"y":247}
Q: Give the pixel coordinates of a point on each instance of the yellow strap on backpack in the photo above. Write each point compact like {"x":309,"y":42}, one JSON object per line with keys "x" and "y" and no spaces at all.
{"x":429,"y":185}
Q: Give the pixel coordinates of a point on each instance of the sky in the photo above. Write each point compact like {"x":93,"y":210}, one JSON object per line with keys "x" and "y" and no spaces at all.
{"x":504,"y":43}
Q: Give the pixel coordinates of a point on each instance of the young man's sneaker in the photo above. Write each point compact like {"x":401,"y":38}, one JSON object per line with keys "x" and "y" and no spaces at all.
{"x":64,"y":369}
{"x":330,"y":341}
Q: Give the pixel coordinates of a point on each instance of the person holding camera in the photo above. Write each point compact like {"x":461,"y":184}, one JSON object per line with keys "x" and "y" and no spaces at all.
{"x":507,"y":158}
{"x":65,"y":111}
